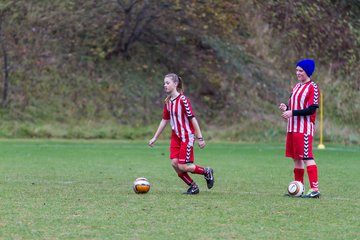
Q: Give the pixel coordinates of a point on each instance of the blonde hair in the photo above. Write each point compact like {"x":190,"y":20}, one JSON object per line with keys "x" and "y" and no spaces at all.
{"x":176,"y":79}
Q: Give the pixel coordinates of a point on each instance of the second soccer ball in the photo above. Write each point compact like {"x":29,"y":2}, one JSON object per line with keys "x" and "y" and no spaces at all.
{"x":295,"y":189}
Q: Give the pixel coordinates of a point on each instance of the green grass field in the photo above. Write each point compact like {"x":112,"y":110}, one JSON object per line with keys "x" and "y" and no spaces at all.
{"x":83,"y":190}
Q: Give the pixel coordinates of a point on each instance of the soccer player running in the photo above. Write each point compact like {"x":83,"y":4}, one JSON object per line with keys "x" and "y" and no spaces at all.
{"x":185,"y":128}
{"x":301,"y":113}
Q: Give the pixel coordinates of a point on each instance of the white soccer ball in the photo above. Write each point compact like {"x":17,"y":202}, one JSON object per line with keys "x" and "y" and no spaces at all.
{"x":296,"y":189}
{"x":141,"y":185}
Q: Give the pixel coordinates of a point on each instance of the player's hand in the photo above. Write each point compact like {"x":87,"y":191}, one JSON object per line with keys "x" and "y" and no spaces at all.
{"x":287,"y":114}
{"x":152,"y":142}
{"x":202,"y":143}
{"x":282,"y":107}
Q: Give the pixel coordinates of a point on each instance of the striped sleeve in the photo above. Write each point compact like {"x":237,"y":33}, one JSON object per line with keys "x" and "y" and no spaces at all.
{"x":314,"y":95}
{"x":187,"y":106}
{"x":166,"y":113}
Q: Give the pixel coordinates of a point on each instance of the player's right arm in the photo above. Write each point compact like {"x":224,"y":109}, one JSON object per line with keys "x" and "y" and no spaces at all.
{"x":158,"y":132}
{"x":283,"y":107}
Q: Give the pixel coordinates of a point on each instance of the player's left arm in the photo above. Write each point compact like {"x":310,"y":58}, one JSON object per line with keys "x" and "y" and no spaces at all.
{"x":305,"y":112}
{"x":198,"y":134}
{"x":190,"y":115}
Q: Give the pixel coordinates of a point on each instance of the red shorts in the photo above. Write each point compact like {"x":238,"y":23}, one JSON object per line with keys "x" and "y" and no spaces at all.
{"x":299,"y":146}
{"x":184,"y":151}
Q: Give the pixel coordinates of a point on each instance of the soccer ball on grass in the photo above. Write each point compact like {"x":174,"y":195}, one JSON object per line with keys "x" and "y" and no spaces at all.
{"x":295,"y":189}
{"x":141,"y":185}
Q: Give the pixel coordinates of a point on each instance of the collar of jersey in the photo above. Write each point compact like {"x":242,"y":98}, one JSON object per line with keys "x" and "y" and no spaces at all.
{"x":175,"y":98}
{"x":306,"y":82}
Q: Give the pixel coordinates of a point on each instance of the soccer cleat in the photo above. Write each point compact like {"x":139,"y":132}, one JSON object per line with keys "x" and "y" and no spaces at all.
{"x":209,"y":177}
{"x":312,"y":194}
{"x":193,"y":189}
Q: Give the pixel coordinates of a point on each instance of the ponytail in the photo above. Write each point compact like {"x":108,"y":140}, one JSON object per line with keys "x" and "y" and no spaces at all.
{"x":180,"y":85}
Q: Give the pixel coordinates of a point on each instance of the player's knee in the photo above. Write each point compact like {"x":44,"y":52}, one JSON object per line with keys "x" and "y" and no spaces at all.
{"x":183,"y":167}
{"x":310,"y":162}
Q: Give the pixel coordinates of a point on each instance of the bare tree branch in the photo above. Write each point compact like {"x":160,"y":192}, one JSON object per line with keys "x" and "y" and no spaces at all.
{"x":135,"y":21}
{"x":5,"y":66}
{"x":127,"y":8}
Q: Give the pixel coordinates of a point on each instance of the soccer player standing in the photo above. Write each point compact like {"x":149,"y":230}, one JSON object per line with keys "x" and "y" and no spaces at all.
{"x":185,"y":128}
{"x":300,"y":113}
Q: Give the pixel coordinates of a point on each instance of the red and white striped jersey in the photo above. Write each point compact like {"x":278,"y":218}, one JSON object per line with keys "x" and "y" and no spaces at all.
{"x":303,"y":96}
{"x":179,"y":111}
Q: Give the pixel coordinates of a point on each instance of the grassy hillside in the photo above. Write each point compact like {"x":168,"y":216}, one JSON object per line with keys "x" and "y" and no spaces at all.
{"x":94,"y":69}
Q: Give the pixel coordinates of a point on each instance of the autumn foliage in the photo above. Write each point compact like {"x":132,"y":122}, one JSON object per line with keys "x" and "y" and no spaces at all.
{"x":69,"y":61}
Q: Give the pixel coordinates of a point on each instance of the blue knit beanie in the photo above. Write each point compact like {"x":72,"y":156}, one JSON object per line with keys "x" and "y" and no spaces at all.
{"x":308,"y":65}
